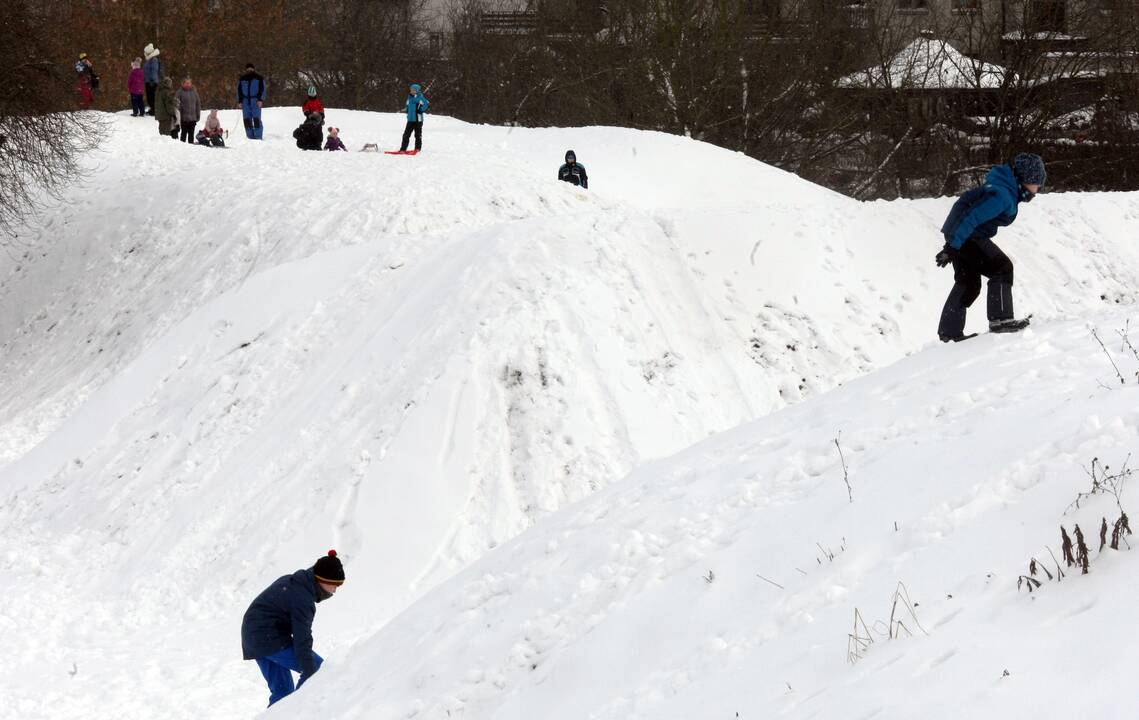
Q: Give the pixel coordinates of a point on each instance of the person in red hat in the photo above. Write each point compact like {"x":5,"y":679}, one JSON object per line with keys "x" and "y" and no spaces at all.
{"x":276,"y":630}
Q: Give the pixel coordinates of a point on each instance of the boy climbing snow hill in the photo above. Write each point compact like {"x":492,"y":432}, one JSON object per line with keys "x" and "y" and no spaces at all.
{"x":969,"y":230}
{"x":277,"y":628}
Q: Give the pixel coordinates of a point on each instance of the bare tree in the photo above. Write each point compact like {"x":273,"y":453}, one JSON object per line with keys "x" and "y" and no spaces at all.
{"x":42,"y":139}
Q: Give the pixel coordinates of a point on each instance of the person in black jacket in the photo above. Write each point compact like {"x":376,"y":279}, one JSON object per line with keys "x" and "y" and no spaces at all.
{"x":277,"y":628}
{"x":969,"y":229}
{"x":309,"y":135}
{"x":573,"y":171}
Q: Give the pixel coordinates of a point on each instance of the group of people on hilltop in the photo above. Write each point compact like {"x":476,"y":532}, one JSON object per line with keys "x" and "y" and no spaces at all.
{"x":968,"y":230}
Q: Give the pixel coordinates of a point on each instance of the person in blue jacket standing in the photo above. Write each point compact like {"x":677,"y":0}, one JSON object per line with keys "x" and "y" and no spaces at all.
{"x":277,"y":628}
{"x":151,"y":74}
{"x":969,"y":247}
{"x":417,"y":105}
{"x":251,"y":98}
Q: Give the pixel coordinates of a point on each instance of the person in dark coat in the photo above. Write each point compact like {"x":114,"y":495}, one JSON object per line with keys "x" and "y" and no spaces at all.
{"x":416,"y":106}
{"x":969,"y":247}
{"x":277,"y":628}
{"x":573,"y":171}
{"x":166,"y":109}
{"x":251,"y":98}
{"x":309,"y":134}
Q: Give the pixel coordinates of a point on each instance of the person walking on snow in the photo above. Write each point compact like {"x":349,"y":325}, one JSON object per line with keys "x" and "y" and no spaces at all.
{"x":417,"y":105}
{"x":313,"y":104}
{"x":136,"y":87}
{"x":189,"y":109}
{"x":969,"y":247}
{"x":251,"y":98}
{"x":151,"y":74}
{"x":277,"y":628}
{"x":573,"y":171}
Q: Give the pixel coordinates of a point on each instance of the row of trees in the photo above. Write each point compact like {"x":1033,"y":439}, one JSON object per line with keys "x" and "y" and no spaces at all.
{"x":768,"y":79}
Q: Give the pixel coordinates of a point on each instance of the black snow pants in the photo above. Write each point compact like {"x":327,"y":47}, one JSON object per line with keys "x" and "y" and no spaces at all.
{"x":417,"y":128}
{"x":977,"y":257}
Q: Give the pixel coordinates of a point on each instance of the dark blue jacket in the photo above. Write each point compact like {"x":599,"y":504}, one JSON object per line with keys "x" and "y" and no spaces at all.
{"x":979,"y":212}
{"x":281,"y":617}
{"x":152,"y":71}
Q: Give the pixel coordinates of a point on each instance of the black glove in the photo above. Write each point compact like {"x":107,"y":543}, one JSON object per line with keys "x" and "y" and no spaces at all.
{"x":947,"y":255}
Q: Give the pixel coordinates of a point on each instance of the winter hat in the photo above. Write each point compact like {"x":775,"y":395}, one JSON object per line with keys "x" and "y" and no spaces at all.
{"x":312,"y":90}
{"x":329,"y":569}
{"x":1029,"y":169}
{"x":570,"y":156}
{"x":415,"y":87}
{"x":82,"y":56}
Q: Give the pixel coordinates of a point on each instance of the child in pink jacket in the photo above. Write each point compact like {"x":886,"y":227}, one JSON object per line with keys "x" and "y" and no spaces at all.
{"x":136,"y":86}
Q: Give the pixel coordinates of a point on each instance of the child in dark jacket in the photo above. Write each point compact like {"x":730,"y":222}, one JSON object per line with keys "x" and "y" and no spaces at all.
{"x":334,"y":142}
{"x":969,"y":247}
{"x":308,"y":135}
{"x":277,"y":628}
{"x":136,"y":86}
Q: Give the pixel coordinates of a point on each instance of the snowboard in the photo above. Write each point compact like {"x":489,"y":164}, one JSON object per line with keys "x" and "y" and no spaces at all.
{"x":401,"y":152}
{"x":1015,"y":326}
{"x":1012,"y":326}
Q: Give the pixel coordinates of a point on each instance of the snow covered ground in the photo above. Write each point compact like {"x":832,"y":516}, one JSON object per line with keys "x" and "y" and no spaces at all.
{"x":215,"y":365}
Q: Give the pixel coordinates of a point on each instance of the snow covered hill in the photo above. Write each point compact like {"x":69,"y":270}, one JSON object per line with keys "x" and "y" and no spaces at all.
{"x":724,"y":582}
{"x":214,"y":365}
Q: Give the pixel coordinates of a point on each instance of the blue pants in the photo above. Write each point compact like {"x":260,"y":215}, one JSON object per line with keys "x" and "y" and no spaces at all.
{"x":138,"y":106}
{"x":278,"y":670}
{"x":252,"y":116}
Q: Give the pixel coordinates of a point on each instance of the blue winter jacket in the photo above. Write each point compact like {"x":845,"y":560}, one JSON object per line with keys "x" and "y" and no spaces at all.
{"x":152,"y":71}
{"x":417,"y":105}
{"x":979,"y":212}
{"x":250,"y":88}
{"x":281,"y":617}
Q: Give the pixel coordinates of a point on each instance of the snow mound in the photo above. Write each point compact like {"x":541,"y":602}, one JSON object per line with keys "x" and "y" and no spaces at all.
{"x":216,"y":364}
{"x":725,"y":581}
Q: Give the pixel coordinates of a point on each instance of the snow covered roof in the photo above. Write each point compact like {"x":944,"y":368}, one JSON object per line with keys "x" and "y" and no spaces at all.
{"x":928,"y":64}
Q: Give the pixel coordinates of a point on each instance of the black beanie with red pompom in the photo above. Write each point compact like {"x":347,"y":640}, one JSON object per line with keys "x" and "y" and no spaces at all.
{"x":329,"y":569}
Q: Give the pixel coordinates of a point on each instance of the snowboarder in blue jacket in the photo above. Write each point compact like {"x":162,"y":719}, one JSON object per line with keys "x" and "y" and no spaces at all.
{"x":969,"y":230}
{"x":251,"y":98}
{"x":277,"y":628}
{"x":417,"y":105}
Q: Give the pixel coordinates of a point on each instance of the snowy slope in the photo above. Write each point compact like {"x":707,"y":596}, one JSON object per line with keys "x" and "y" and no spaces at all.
{"x":723,"y":582}
{"x":216,"y":364}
